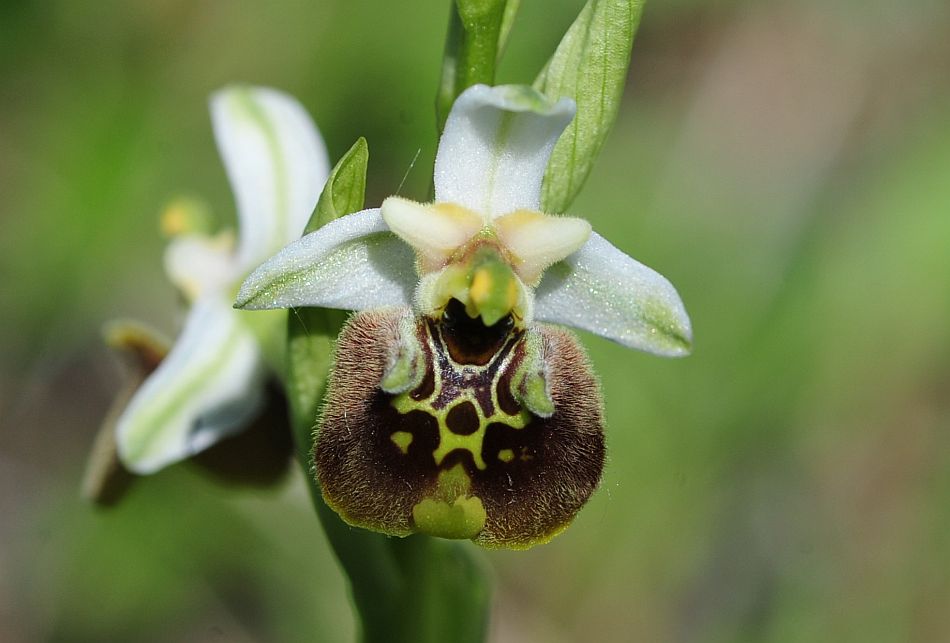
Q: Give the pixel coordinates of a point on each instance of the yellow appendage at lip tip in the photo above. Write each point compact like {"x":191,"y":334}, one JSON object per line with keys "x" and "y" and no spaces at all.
{"x":450,"y":512}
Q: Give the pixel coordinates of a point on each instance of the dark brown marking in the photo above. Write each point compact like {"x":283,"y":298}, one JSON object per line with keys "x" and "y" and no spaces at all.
{"x":427,"y":387}
{"x":462,"y":419}
{"x":506,"y":400}
{"x":469,"y":341}
{"x":455,"y":378}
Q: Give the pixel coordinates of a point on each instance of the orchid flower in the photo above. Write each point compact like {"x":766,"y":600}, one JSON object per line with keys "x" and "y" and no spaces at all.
{"x":212,"y":382}
{"x":454,"y":408}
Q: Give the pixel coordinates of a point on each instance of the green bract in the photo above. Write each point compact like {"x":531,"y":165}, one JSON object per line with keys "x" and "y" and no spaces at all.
{"x":311,"y":331}
{"x":452,"y":409}
{"x":590,"y":66}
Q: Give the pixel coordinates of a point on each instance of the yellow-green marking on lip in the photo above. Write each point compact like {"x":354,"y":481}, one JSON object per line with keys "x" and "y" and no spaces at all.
{"x":451,"y":512}
{"x":402,"y":440}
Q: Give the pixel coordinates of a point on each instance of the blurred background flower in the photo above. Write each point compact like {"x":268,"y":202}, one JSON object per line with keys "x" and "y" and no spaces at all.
{"x":786,"y":163}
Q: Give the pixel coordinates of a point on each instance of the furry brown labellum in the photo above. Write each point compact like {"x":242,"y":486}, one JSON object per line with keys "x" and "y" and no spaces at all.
{"x":454,"y":429}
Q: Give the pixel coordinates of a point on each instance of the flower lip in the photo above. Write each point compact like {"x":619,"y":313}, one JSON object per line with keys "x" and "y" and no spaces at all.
{"x":461,"y":453}
{"x":469,"y":340}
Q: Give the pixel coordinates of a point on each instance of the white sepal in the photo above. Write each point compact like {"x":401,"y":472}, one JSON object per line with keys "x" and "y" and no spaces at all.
{"x":352,"y":263}
{"x":495,"y":148}
{"x":602,"y":290}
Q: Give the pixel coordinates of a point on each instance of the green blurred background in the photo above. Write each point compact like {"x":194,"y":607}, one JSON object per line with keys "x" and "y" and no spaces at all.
{"x":785,"y":163}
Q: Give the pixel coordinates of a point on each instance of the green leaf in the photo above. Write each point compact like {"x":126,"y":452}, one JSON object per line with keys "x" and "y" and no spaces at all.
{"x":590,"y":66}
{"x":507,"y":22}
{"x":344,"y":189}
{"x":311,"y":331}
{"x":476,"y":35}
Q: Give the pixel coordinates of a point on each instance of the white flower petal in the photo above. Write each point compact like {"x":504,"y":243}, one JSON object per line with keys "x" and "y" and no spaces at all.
{"x":435,"y":230}
{"x":208,"y":387}
{"x":602,"y":290}
{"x":495,"y":148}
{"x":276,"y":162}
{"x":198,"y":264}
{"x":352,"y":263}
{"x":539,"y":240}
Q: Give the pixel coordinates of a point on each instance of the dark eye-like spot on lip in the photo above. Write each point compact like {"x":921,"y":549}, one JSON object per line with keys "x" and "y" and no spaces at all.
{"x":462,"y":419}
{"x":469,"y":340}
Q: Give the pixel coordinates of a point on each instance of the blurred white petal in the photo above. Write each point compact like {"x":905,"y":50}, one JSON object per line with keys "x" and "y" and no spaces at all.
{"x":602,"y":290}
{"x":352,"y":263}
{"x":208,"y":387}
{"x":276,"y":162}
{"x":198,"y":264}
{"x":495,"y":148}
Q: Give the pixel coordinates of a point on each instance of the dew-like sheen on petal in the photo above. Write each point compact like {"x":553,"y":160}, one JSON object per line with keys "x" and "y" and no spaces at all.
{"x":495,"y":147}
{"x":352,"y":263}
{"x":602,"y":290}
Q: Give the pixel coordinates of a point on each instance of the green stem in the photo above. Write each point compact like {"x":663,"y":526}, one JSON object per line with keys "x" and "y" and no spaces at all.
{"x":448,"y":587}
{"x":415,"y":589}
{"x":476,"y":34}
